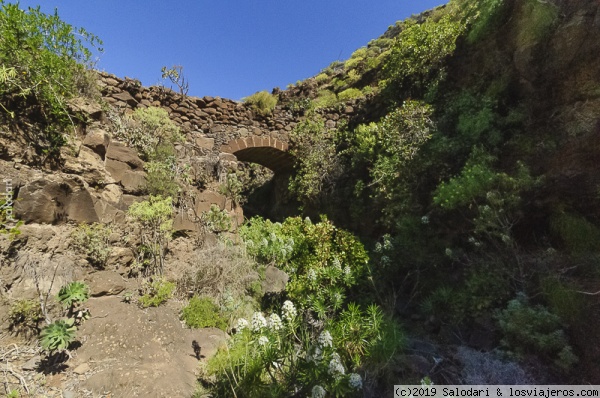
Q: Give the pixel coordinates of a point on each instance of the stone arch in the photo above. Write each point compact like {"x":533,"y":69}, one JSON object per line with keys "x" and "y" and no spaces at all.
{"x":267,"y":151}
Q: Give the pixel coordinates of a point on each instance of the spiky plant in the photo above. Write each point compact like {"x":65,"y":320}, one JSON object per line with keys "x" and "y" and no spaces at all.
{"x":58,"y":335}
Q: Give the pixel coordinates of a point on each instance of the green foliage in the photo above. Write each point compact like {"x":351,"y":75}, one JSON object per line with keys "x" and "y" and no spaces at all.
{"x":232,"y":188}
{"x":146,"y":130}
{"x":25,"y":315}
{"x":325,"y":99}
{"x":203,"y":313}
{"x":270,"y":358}
{"x":155,"y":218}
{"x":564,"y":300}
{"x":577,"y":234}
{"x":156,"y":292}
{"x":485,"y":15}
{"x":535,"y":20}
{"x":175,"y":75}
{"x":317,"y":164}
{"x":387,"y":149}
{"x":8,"y":225}
{"x":57,"y":335}
{"x":217,"y":220}
{"x":161,"y":179}
{"x":323,"y":262}
{"x":416,"y":61}
{"x":349,"y":94}
{"x":93,"y":240}
{"x":42,"y":60}
{"x":534,"y":330}
{"x":322,"y":77}
{"x":262,"y":102}
{"x":73,"y":294}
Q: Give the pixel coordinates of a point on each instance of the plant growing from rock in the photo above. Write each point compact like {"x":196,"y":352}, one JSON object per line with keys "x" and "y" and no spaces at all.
{"x":216,"y":220}
{"x":155,"y":219}
{"x":156,"y":292}
{"x":42,"y":57}
{"x":71,"y":297}
{"x":175,"y":76}
{"x":262,"y":102}
{"x":94,"y":241}
{"x":25,"y":315}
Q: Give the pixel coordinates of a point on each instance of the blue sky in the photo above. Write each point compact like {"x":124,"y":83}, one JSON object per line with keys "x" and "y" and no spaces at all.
{"x":230,"y":48}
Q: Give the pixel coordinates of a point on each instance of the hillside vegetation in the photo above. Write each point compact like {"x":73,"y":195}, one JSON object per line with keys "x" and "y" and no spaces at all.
{"x":444,"y":229}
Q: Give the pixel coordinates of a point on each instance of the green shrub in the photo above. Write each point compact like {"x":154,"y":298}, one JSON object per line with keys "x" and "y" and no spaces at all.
{"x":24,"y":315}
{"x":155,"y":218}
{"x":577,"y":234}
{"x":146,"y":130}
{"x":42,"y":60}
{"x":535,"y":20}
{"x":232,"y":188}
{"x":217,"y":220}
{"x":156,"y":293}
{"x":262,"y":102}
{"x":322,"y":77}
{"x":416,"y":61}
{"x":203,"y":313}
{"x":317,"y":165}
{"x":534,"y":330}
{"x":323,"y":262}
{"x":93,"y":240}
{"x":275,"y":355}
{"x":325,"y":99}
{"x":349,"y":94}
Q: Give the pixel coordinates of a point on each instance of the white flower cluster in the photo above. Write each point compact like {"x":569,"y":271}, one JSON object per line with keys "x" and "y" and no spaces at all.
{"x":355,"y":381}
{"x":336,"y":369}
{"x":337,"y":263}
{"x":275,"y":322}
{"x":316,"y":356}
{"x":263,"y":341}
{"x":241,"y":325}
{"x":325,"y":339}
{"x":288,"y":311}
{"x":311,"y":275}
{"x":318,"y":392}
{"x":347,"y":271}
{"x":258,"y":322}
{"x":424,"y":220}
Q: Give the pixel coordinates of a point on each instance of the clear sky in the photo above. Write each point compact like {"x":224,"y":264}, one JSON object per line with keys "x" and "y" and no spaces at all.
{"x":230,"y":48}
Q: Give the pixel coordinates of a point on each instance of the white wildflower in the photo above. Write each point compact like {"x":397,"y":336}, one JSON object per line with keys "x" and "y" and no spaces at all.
{"x":316,"y":356}
{"x":347,"y":270}
{"x":336,"y":369}
{"x":448,"y":252}
{"x":318,"y":392}
{"x":337,"y":263}
{"x":258,"y":322}
{"x":240,"y":325}
{"x":424,"y":220}
{"x":325,"y":339}
{"x":289,"y":311}
{"x":311,"y":275}
{"x":263,"y":340}
{"x":355,"y":381}
{"x":275,"y":322}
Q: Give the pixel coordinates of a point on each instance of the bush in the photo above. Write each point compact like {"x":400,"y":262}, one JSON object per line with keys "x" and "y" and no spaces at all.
{"x":24,"y":315}
{"x":203,"y":313}
{"x":156,"y":293}
{"x":155,"y":218}
{"x":145,"y":130}
{"x":323,"y":262}
{"x":535,"y":330}
{"x":42,"y":60}
{"x":262,"y":102}
{"x":349,"y":94}
{"x":217,"y":220}
{"x":93,"y":240}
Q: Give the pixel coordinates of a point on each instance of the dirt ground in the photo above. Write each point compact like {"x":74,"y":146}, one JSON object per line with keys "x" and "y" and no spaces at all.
{"x":124,"y":351}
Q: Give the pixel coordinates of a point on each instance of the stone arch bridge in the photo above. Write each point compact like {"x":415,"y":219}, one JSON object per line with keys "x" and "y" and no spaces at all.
{"x":264,"y":150}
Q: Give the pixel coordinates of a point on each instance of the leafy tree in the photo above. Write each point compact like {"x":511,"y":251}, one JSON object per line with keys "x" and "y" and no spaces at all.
{"x":43,"y":59}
